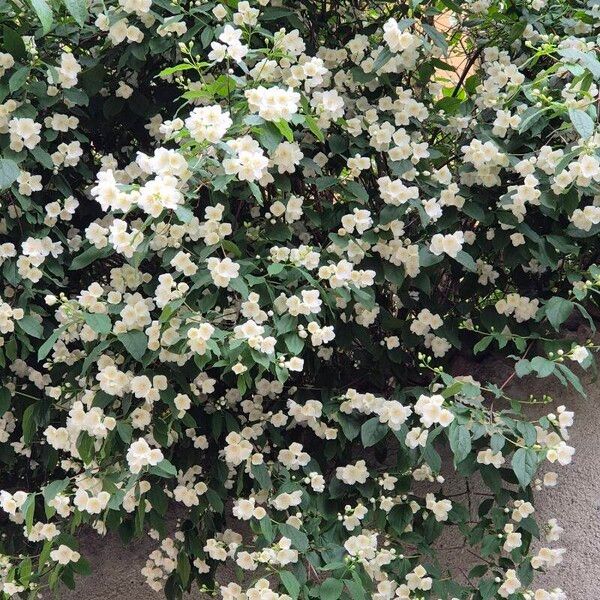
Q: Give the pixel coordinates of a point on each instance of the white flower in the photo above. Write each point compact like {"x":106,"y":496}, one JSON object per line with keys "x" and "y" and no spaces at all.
{"x":579,"y":354}
{"x":222,"y":271}
{"x":451,"y":244}
{"x":208,"y":123}
{"x":510,"y":585}
{"x":63,"y":555}
{"x":352,"y":474}
{"x":68,"y":71}
{"x":140,"y":455}
{"x":439,"y":508}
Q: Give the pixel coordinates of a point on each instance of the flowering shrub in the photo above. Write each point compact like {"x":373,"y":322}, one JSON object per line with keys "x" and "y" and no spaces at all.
{"x":241,"y":243}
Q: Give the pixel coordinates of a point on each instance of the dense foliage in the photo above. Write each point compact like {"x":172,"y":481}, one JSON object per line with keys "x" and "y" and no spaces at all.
{"x":240,"y":244}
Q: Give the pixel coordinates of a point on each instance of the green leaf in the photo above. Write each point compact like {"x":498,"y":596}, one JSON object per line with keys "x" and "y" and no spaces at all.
{"x":183,"y":568}
{"x":460,"y":441}
{"x":261,"y":474}
{"x":449,"y":104}
{"x":4,"y":400}
{"x":349,"y":425}
{"x":438,"y":39}
{"x":297,"y":537}
{"x":291,"y":584}
{"x":231,"y":248}
{"x":530,"y":117}
{"x":466,"y":260}
{"x":42,"y":157}
{"x":54,"y":488}
{"x":400,"y":517}
{"x":31,"y":326}
{"x":294,"y":343}
{"x":165,"y":469}
{"x":184,"y":214}
{"x":44,"y":12}
{"x":582,"y":122}
{"x":13,"y":43}
{"x":28,"y":424}
{"x":135,"y":343}
{"x":85,"y":447}
{"x":524,"y":463}
{"x":589,"y":61}
{"x":125,"y":431}
{"x":25,"y":570}
{"x":558,"y":310}
{"x":432,"y":457}
{"x":239,"y":285}
{"x":454,"y":388}
{"x":586,"y":315}
{"x":572,"y":378}
{"x":46,"y":347}
{"x":269,"y":136}
{"x":275,"y":268}
{"x":256,"y":192}
{"x":331,"y":589}
{"x":285,"y":130}
{"x":523,"y":367}
{"x":215,"y":501}
{"x":491,"y":477}
{"x":266,"y":528}
{"x":28,"y":510}
{"x":382,"y":59}
{"x":207,"y":35}
{"x":314,"y":127}
{"x":175,"y":69}
{"x":356,"y":590}
{"x":102,"y":399}
{"x":93,"y":355}
{"x":334,"y":566}
{"x":393,"y":273}
{"x":9,"y":172}
{"x":482,"y":344}
{"x":88,"y":256}
{"x":18,"y":78}
{"x":528,"y":432}
{"x":372,"y":431}
{"x":488,"y":589}
{"x":357,"y":190}
{"x":75,"y":96}
{"x":100,"y":323}
{"x":542,"y":366}
{"x":490,"y":545}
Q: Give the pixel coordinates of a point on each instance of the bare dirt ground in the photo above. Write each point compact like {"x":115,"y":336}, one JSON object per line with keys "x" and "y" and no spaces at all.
{"x":575,"y":502}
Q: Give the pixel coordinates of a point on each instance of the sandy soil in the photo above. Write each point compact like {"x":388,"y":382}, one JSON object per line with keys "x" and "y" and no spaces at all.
{"x":575,"y":502}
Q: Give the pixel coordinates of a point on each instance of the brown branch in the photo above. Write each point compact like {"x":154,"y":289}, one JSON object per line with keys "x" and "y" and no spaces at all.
{"x":473,"y":58}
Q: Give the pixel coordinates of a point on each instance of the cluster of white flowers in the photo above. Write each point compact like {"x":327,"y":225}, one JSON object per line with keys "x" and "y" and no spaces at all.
{"x":431,"y":411}
{"x":6,"y":62}
{"x":299,"y":198}
{"x":521,"y":307}
{"x":140,"y":454}
{"x":353,"y":474}
{"x":24,"y":133}
{"x":160,"y":564}
{"x":8,"y":316}
{"x":228,"y":46}
{"x":63,"y":555}
{"x":450,"y":244}
{"x":208,"y":124}
{"x":273,"y":103}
